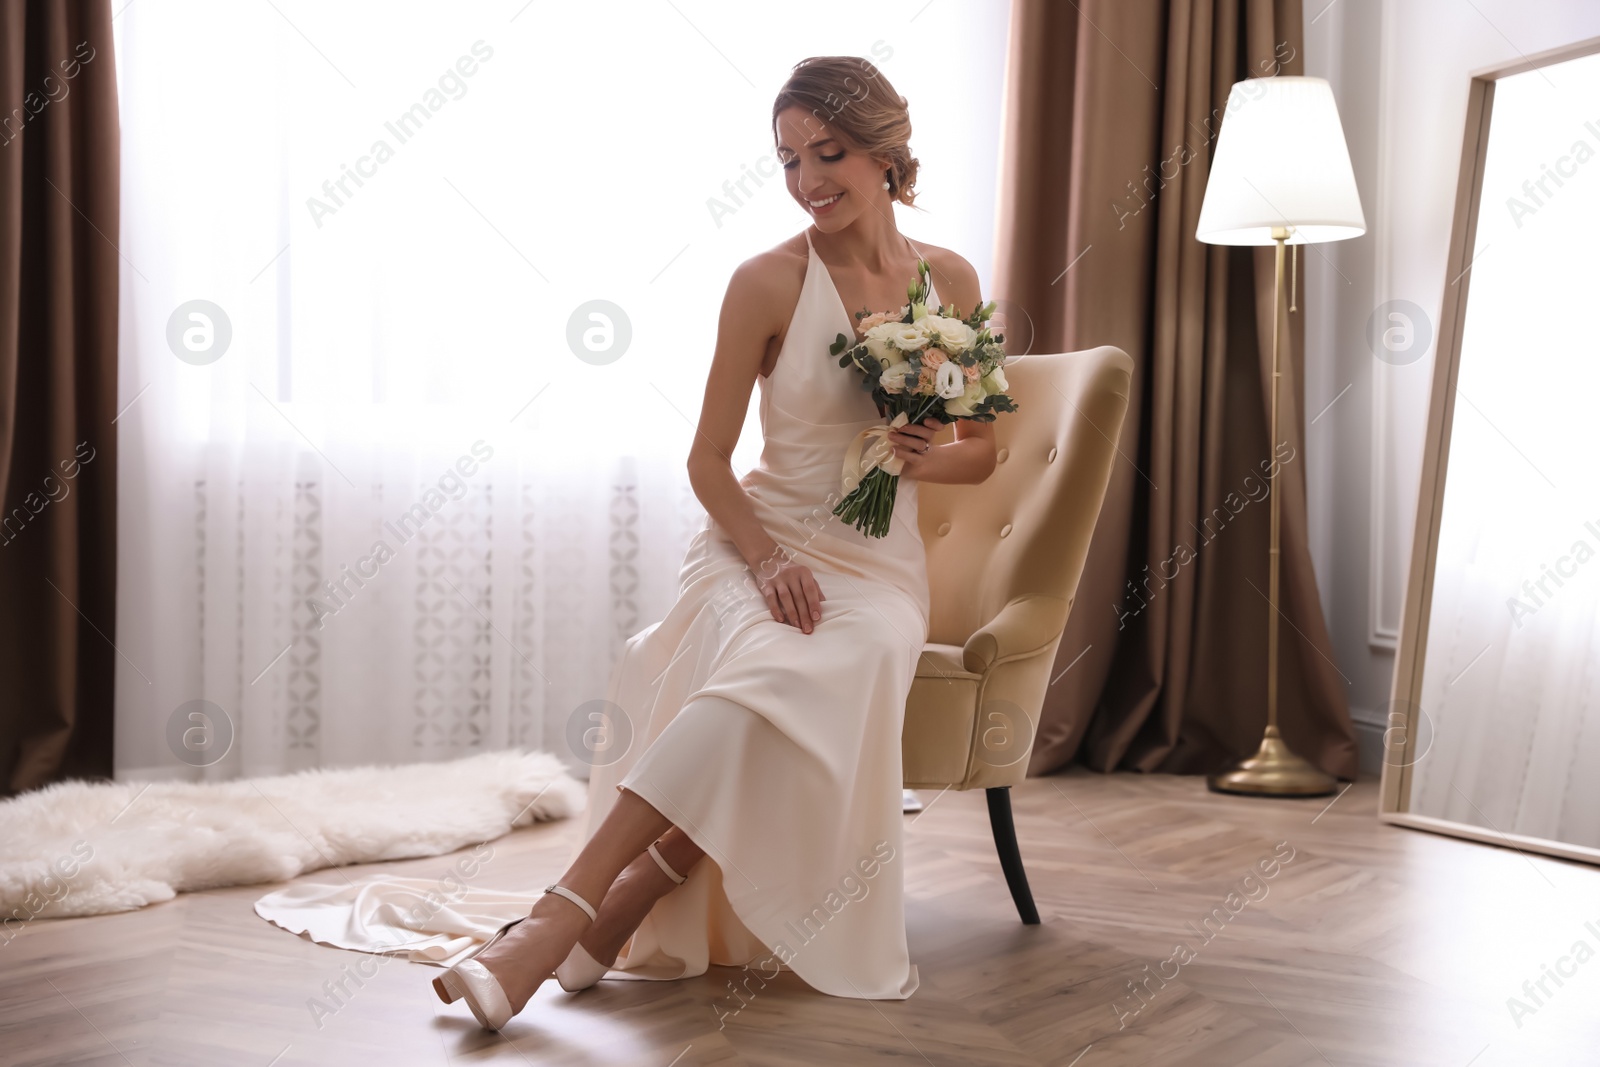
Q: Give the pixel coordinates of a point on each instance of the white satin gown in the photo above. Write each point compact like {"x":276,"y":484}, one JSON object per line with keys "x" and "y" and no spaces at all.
{"x":778,"y":751}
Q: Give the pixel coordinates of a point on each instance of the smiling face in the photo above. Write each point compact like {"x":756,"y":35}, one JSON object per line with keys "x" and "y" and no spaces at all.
{"x":831,"y":182}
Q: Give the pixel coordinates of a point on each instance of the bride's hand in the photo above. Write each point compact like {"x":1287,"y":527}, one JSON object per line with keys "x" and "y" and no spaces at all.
{"x":912,"y":441}
{"x":791,"y":593}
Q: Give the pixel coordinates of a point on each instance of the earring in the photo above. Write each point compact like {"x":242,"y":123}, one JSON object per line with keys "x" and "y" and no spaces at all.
{"x":886,"y":183}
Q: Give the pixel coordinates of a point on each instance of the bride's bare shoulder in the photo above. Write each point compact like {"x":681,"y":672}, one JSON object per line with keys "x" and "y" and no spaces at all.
{"x":947,"y":263}
{"x":774,"y":275}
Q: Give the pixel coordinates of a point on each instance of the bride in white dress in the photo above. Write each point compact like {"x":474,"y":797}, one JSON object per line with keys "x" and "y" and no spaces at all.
{"x":765,"y":710}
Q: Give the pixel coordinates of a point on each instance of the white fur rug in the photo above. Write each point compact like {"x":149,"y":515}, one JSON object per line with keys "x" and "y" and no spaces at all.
{"x":87,"y":848}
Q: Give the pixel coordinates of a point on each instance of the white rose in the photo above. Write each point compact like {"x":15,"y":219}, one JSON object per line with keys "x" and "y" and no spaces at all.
{"x":893,"y":379}
{"x":950,"y":382}
{"x":952,"y":335}
{"x":967,"y":402}
{"x":879,"y":343}
{"x":995,"y":380}
{"x":907,"y":338}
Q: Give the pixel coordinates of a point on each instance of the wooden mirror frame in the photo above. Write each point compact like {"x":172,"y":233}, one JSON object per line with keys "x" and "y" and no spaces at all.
{"x":1401,"y":725}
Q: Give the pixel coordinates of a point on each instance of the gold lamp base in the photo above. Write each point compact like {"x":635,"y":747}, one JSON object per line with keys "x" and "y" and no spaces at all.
{"x":1273,"y":771}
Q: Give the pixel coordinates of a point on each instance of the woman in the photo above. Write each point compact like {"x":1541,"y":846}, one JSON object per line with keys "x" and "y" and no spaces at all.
{"x":766,"y":708}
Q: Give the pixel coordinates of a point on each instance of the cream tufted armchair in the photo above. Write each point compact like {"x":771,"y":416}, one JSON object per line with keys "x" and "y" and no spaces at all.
{"x":1004,"y":558}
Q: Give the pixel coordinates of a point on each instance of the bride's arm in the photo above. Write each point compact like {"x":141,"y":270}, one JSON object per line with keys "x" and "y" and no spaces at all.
{"x":758,"y":291}
{"x":969,"y":459}
{"x":745,"y":325}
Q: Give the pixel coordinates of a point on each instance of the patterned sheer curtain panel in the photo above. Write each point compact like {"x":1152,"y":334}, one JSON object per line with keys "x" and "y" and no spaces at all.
{"x":418,"y":303}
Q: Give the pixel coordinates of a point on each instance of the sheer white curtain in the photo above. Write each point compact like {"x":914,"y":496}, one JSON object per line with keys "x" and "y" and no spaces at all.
{"x":1511,"y":684}
{"x":393,"y":485}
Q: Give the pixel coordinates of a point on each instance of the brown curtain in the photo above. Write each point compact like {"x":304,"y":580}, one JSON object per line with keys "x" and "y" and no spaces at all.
{"x":58,"y":389}
{"x":1112,"y":109}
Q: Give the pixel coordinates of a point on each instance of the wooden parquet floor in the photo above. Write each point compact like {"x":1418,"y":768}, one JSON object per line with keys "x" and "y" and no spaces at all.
{"x":1367,"y":944}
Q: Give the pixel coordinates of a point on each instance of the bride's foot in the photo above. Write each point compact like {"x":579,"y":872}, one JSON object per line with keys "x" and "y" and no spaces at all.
{"x":527,"y":954}
{"x":626,"y":903}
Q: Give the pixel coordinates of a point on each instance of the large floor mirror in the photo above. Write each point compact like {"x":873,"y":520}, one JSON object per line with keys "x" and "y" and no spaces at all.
{"x":1494,"y":723}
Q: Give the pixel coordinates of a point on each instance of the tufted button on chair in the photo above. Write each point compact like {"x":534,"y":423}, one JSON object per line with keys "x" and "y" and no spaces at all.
{"x":1004,"y":558}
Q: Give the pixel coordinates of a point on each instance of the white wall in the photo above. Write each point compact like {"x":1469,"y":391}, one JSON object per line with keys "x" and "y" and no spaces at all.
{"x":1399,"y":70}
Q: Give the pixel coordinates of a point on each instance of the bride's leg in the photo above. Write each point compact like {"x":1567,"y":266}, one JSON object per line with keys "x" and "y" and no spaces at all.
{"x":635,"y":892}
{"x":532,"y":949}
{"x":679,"y":850}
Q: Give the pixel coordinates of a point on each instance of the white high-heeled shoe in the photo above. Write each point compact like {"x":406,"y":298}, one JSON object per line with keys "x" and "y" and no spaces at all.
{"x":580,"y":970}
{"x":472,"y":981}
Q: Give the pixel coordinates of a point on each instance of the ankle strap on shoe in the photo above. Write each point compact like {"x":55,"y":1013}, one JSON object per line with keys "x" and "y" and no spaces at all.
{"x":561,"y":890}
{"x":667,"y":870}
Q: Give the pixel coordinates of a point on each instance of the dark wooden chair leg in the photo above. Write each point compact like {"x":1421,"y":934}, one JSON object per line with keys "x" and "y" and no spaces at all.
{"x":1005,"y":843}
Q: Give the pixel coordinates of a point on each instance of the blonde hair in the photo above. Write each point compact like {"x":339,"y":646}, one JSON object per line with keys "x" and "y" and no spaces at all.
{"x":857,"y":102}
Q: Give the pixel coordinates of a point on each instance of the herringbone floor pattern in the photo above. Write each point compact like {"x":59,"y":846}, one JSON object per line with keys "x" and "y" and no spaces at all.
{"x":1162,"y":942}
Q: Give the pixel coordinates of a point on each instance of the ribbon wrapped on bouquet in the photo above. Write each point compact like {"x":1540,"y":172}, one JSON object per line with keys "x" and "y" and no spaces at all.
{"x":871,"y":450}
{"x":932,"y":363}
{"x":871,"y":478}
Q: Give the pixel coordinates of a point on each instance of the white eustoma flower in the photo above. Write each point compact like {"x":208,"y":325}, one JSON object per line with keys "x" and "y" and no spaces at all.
{"x":966,"y":402}
{"x":951,"y":381}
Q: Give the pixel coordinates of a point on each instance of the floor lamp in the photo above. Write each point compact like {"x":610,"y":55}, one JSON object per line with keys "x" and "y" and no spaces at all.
{"x":1281,"y":175}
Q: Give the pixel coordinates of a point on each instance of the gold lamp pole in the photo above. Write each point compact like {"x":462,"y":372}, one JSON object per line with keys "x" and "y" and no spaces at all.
{"x":1274,"y":770}
{"x":1281,"y":170}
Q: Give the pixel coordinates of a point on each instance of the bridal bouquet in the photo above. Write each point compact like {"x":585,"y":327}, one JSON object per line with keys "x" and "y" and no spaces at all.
{"x":916,"y":363}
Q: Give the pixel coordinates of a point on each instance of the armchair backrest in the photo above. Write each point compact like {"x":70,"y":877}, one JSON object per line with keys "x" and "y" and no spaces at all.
{"x":1026,"y":528}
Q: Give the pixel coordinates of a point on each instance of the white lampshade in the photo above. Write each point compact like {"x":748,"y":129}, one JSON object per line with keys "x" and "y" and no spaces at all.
{"x":1280,"y":161}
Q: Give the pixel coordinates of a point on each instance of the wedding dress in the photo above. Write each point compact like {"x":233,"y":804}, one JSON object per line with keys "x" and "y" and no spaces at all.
{"x":778,"y":751}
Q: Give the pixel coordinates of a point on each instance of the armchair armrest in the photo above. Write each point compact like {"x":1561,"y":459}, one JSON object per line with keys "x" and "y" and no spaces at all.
{"x":1024,"y":625}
